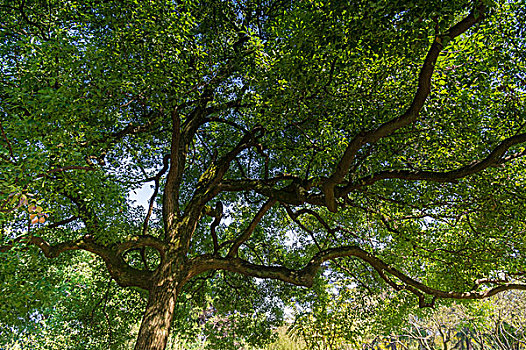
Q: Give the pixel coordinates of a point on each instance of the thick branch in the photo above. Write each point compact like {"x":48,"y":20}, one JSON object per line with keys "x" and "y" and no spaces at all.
{"x":494,"y":158}
{"x":295,"y":193}
{"x":182,"y":137}
{"x":156,"y":179}
{"x":170,"y":198}
{"x":208,"y":262}
{"x":123,"y":274}
{"x":141,"y":242}
{"x":409,"y":116}
{"x":305,"y":276}
{"x":287,"y":195}
{"x":207,"y":186}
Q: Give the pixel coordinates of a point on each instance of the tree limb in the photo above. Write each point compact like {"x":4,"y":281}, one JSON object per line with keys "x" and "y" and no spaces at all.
{"x":182,"y":137}
{"x":305,"y":276}
{"x":171,"y":190}
{"x":140,"y":242}
{"x":123,"y":274}
{"x":409,"y":116}
{"x":217,"y":214}
{"x":494,"y":158}
{"x":248,"y":231}
{"x":285,"y":195}
{"x":207,"y":186}
{"x":156,"y":179}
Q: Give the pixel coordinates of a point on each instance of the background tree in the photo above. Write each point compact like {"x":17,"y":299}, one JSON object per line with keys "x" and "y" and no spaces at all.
{"x":494,"y":323}
{"x":373,"y":141}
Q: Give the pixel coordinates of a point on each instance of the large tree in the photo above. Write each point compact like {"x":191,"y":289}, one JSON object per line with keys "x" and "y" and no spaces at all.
{"x":368,"y":139}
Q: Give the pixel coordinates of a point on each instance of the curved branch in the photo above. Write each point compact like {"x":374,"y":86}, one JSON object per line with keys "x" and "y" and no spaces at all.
{"x":329,"y":188}
{"x":156,"y":179}
{"x":217,"y":214}
{"x":494,"y":158}
{"x":409,"y":116}
{"x":123,"y":274}
{"x":207,"y":186}
{"x":305,"y":276}
{"x":140,"y":242}
{"x":379,"y":264}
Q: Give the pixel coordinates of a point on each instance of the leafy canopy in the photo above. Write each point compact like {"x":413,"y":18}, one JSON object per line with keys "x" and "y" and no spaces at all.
{"x":376,"y":143}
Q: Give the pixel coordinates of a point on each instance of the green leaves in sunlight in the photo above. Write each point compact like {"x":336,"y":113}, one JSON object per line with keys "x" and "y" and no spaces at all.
{"x":245,"y":172}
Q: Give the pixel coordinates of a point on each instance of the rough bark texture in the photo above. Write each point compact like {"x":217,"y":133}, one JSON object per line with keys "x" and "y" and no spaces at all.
{"x":157,"y":319}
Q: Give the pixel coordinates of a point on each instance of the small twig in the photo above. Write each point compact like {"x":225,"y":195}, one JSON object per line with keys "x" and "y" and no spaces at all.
{"x":8,"y":143}
{"x":261,"y":151}
{"x":248,"y":231}
{"x":66,"y":168}
{"x":61,"y":222}
{"x":294,"y":217}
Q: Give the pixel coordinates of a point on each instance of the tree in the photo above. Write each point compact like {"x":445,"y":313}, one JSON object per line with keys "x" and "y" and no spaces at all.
{"x":373,"y":140}
{"x":494,"y":323}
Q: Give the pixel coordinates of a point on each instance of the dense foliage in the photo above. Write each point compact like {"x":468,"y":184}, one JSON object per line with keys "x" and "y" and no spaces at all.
{"x":319,"y":144}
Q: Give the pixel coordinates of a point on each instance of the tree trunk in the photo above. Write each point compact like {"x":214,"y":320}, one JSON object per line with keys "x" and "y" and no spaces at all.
{"x":157,"y":319}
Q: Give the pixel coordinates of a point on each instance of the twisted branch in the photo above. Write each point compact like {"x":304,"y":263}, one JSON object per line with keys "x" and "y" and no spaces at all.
{"x":410,"y":115}
{"x":305,"y":276}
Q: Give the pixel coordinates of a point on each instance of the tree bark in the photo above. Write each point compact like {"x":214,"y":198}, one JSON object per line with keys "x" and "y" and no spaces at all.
{"x":157,"y":319}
